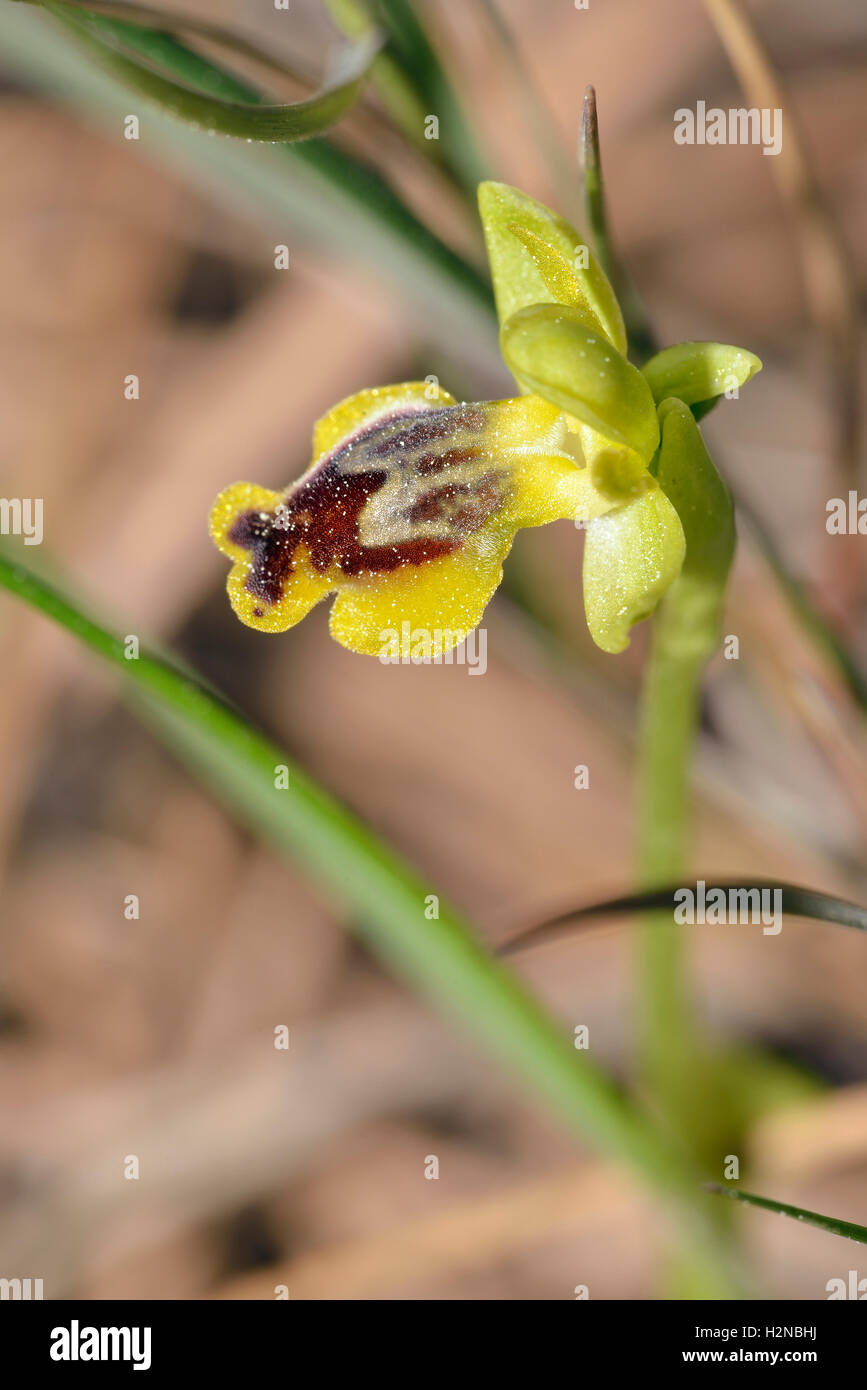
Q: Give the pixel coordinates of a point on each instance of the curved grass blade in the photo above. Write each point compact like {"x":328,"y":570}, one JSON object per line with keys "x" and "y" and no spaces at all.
{"x":311,"y":187}
{"x":439,"y":955}
{"x":137,"y":20}
{"x":794,"y":902}
{"x":847,"y":1229}
{"x":132,"y":53}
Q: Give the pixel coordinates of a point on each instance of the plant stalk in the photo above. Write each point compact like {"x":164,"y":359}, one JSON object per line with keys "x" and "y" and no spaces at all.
{"x":667,"y":1027}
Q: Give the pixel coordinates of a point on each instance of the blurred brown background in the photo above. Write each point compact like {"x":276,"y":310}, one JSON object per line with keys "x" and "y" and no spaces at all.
{"x":155,"y":1037}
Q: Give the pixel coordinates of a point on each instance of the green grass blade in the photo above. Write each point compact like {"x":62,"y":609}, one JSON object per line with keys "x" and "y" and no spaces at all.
{"x":440,"y":956}
{"x":311,"y":187}
{"x":135,"y":54}
{"x":833,"y":1224}
{"x":411,"y":47}
{"x":165,"y":25}
{"x":794,"y":902}
{"x":399,"y":88}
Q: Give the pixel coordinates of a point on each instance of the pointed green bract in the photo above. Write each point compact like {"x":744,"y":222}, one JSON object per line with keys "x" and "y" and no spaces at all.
{"x":688,"y":476}
{"x":631,"y":557}
{"x":528,"y":245}
{"x":550,"y":351}
{"x":699,"y":372}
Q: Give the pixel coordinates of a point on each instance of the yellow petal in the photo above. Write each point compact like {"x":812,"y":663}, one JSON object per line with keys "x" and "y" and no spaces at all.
{"x":631,"y":556}
{"x":434,"y":605}
{"x":356,"y":412}
{"x":232,"y":501}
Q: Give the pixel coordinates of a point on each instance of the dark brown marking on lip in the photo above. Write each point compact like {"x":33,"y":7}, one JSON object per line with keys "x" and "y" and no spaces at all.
{"x":483,"y":497}
{"x":323,"y":512}
{"x":424,"y":428}
{"x":450,"y":458}
{"x":333,"y":504}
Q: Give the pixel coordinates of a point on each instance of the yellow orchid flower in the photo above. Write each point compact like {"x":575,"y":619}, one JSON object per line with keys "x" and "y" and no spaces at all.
{"x":407,"y":511}
{"x":413,"y":499}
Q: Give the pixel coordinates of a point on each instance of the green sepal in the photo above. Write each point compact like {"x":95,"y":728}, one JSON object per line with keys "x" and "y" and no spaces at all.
{"x":537,"y":258}
{"x":699,"y":373}
{"x":688,"y":476}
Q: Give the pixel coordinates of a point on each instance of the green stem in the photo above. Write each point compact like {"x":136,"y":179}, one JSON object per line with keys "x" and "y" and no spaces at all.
{"x":667,"y":1024}
{"x":674,"y":1060}
{"x":667,"y":735}
{"x":686,"y":631}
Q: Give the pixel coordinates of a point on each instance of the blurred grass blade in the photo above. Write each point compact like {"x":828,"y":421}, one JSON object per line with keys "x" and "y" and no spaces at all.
{"x":826,"y":638}
{"x":408,"y":41}
{"x":399,"y":93}
{"x":439,"y":954}
{"x":135,"y":53}
{"x":794,"y":902}
{"x":538,"y":114}
{"x":831,"y":284}
{"x":310,"y":187}
{"x":848,"y":1229}
{"x":413,"y":86}
{"x":164,"y":24}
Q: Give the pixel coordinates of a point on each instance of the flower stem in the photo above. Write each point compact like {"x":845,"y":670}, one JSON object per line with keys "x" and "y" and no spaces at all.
{"x":686,"y":632}
{"x":667,"y":1025}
